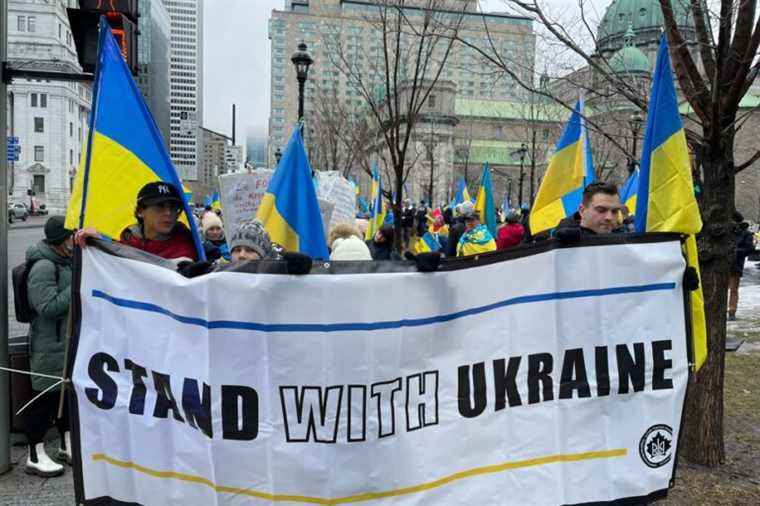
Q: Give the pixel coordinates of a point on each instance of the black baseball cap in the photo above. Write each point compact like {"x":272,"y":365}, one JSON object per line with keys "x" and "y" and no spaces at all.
{"x":158,"y":192}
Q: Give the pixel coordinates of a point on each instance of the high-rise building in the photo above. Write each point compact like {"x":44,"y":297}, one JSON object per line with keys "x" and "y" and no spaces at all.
{"x":153,"y":61}
{"x":186,"y":84}
{"x":346,"y":33}
{"x":48,"y":117}
{"x":256,"y":149}
{"x":213,"y":159}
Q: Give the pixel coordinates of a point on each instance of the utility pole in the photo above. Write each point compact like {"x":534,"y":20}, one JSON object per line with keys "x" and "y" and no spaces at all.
{"x":5,"y":432}
{"x":233,"y":124}
{"x":532,"y":166}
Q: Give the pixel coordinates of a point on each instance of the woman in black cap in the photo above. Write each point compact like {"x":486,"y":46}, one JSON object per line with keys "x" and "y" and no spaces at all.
{"x":49,"y":293}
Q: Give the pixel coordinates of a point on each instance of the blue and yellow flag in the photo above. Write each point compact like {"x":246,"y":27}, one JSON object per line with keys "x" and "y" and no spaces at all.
{"x":666,"y":201}
{"x":461,"y":194}
{"x":125,"y":151}
{"x":484,"y":203}
{"x":216,"y":201}
{"x":187,"y":193}
{"x":570,"y":170}
{"x":427,"y":243}
{"x":290,"y":210}
{"x":628,"y":191}
{"x":377,"y":211}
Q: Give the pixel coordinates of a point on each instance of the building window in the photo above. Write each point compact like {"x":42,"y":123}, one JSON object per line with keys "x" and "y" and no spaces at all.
{"x":31,"y":22}
{"x":59,"y":31}
{"x":22,"y":23}
{"x":39,"y":184}
{"x":39,"y":125}
{"x":43,"y":99}
{"x":39,"y":153}
{"x":71,"y":129}
{"x":431,"y":101}
{"x":71,"y":157}
{"x":34,"y":100}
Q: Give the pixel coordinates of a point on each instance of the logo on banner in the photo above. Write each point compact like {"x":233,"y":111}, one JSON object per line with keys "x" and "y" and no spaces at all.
{"x":656,"y":445}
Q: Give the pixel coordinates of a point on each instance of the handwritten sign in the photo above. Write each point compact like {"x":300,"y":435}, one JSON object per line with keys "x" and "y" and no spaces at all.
{"x":241,"y":195}
{"x":339,"y":191}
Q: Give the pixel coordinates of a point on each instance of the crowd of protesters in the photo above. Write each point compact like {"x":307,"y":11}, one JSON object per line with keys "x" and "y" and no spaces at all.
{"x":158,"y":230}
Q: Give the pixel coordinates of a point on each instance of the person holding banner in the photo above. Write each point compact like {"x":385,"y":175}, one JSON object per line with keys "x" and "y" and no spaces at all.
{"x":48,"y":285}
{"x":158,"y":230}
{"x":251,"y":242}
{"x":599,"y":213}
{"x":381,"y":245}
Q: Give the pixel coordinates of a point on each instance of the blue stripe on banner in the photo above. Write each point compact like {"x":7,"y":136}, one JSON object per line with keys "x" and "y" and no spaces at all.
{"x":343,"y":327}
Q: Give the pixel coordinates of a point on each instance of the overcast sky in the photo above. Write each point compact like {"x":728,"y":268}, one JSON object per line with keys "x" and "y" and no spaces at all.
{"x":236,"y":60}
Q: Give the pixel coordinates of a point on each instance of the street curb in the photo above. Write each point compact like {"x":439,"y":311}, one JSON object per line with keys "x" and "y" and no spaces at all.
{"x":21,"y":227}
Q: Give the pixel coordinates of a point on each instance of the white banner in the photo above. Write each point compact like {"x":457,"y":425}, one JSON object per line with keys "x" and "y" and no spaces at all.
{"x":555,"y":378}
{"x":241,"y":195}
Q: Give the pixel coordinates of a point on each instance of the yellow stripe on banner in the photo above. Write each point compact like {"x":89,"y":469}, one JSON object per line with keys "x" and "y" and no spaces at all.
{"x":116,"y":176}
{"x":367,"y":496}
{"x":278,"y":229}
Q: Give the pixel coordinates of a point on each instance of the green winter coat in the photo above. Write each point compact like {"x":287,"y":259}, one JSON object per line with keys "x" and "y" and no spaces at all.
{"x":50,"y":300}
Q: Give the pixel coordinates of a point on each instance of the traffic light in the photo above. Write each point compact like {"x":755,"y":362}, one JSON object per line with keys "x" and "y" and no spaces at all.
{"x":121,"y":15}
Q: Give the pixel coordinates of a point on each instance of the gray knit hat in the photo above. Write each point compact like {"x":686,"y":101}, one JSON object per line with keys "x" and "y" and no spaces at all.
{"x":252,"y":234}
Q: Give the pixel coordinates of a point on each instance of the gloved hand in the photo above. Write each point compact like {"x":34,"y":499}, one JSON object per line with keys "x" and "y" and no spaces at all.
{"x":297,"y":263}
{"x":569,"y":235}
{"x":193,"y":269}
{"x":690,"y":279}
{"x":426,"y":262}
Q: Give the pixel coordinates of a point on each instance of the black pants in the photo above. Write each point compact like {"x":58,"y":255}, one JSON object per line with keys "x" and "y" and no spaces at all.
{"x":41,"y":415}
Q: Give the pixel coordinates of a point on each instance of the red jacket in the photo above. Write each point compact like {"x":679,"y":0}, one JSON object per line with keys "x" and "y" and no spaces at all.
{"x":509,"y":235}
{"x":179,"y":245}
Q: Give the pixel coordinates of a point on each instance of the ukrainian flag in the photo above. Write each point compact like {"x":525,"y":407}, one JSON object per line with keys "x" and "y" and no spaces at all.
{"x":377,"y":216}
{"x":570,"y":170}
{"x":216,"y":201}
{"x":666,"y":201}
{"x":124,"y":152}
{"x":462,"y":194}
{"x":289,"y":210}
{"x":188,"y":194}
{"x":427,"y":243}
{"x":628,"y":191}
{"x":484,"y":204}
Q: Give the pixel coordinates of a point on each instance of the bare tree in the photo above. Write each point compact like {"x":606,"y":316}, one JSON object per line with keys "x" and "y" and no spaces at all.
{"x":713,"y":91}
{"x":415,"y":39}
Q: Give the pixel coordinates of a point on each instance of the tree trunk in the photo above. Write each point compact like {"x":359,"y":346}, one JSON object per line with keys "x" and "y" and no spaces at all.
{"x":396,"y":206}
{"x":702,"y":435}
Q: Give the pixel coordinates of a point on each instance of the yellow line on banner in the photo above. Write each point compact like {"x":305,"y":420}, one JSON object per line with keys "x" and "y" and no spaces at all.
{"x":367,"y":496}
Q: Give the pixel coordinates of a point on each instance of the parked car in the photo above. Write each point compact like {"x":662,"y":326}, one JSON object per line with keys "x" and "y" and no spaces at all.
{"x":17,"y":211}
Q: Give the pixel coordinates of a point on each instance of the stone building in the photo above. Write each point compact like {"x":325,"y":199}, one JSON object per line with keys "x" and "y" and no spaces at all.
{"x":48,"y":117}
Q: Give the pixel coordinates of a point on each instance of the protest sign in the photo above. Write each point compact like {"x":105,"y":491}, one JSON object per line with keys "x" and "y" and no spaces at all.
{"x":241,"y":195}
{"x":560,"y":386}
{"x":334,"y":188}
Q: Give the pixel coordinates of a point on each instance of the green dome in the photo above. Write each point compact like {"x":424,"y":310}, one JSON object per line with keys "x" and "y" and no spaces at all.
{"x":629,"y":59}
{"x":642,"y":15}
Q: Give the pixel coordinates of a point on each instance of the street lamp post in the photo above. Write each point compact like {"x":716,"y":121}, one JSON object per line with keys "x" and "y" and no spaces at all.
{"x":521,"y":154}
{"x":509,"y":190}
{"x":635,"y":123}
{"x":301,"y":60}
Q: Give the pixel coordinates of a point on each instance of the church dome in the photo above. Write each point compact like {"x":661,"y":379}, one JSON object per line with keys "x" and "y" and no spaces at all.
{"x":629,"y":59}
{"x":644,"y":16}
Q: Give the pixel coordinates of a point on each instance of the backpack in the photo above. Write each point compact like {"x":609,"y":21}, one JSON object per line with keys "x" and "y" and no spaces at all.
{"x":25,"y":313}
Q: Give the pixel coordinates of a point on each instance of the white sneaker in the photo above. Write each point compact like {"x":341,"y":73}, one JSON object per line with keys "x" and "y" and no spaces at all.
{"x":63,"y":453}
{"x":38,"y":462}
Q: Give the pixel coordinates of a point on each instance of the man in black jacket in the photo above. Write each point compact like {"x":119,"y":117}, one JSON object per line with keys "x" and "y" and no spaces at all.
{"x":456,"y":230}
{"x":745,"y":245}
{"x":598,"y":213}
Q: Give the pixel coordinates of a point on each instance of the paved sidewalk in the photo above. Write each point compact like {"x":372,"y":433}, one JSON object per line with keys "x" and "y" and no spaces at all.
{"x":20,"y":489}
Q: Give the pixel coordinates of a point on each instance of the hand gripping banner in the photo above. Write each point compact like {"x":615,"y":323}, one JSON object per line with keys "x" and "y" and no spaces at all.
{"x":548,"y":375}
